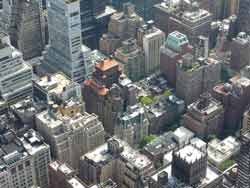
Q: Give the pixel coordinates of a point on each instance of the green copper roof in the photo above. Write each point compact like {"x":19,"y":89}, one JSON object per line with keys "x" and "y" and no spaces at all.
{"x":175,"y":40}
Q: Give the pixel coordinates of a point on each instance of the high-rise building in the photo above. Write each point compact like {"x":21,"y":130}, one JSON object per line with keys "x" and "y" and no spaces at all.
{"x":189,"y":19}
{"x":63,"y":176}
{"x":240,"y":48}
{"x":25,"y":25}
{"x":70,"y":131}
{"x":118,"y":4}
{"x":132,"y":58}
{"x":194,"y":77}
{"x":24,"y":160}
{"x":40,"y":152}
{"x":243,"y":16}
{"x":205,"y":117}
{"x":151,"y":40}
{"x":95,"y":16}
{"x":103,"y":95}
{"x":133,"y":125}
{"x":118,"y":161}
{"x":175,"y":47}
{"x":243,"y":179}
{"x":189,"y":164}
{"x":234,"y":97}
{"x":64,"y":51}
{"x":144,"y":8}
{"x":246,"y":121}
{"x":15,"y":74}
{"x":122,"y":26}
{"x":56,"y":87}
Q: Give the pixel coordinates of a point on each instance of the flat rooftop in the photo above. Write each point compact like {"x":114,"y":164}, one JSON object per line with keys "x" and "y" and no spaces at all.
{"x":55,"y":83}
{"x":107,"y":64}
{"x":211,"y":175}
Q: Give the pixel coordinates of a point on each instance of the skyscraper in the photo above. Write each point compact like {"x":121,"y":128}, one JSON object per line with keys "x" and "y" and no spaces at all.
{"x":15,"y":74}
{"x":132,"y":58}
{"x":243,"y":17}
{"x":151,"y":39}
{"x":94,"y":20}
{"x":23,"y":21}
{"x":243,"y":180}
{"x":70,"y":132}
{"x":64,"y":50}
{"x":24,"y":161}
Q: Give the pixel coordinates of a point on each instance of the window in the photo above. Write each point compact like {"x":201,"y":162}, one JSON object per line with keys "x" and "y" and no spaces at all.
{"x":74,"y":14}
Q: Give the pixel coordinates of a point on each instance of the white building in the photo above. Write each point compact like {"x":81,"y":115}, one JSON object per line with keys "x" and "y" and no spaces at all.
{"x":183,"y":136}
{"x":24,"y":161}
{"x":70,"y":132}
{"x":220,"y":151}
{"x":153,"y":39}
{"x":64,"y":51}
{"x":118,"y":161}
{"x":15,"y":74}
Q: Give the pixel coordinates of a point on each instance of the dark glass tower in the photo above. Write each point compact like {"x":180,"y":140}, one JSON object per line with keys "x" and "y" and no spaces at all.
{"x":94,"y":20}
{"x":244,"y":16}
{"x":243,"y":180}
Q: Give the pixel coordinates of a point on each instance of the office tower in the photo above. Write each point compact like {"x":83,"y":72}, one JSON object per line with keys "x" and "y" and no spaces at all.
{"x":234,"y":96}
{"x":103,"y":95}
{"x":243,"y":16}
{"x":118,"y":4}
{"x":63,"y":176}
{"x":243,"y":179}
{"x":64,"y":50}
{"x":58,"y":88}
{"x":40,"y":152}
{"x":144,"y":8}
{"x":132,"y":58}
{"x":240,"y":48}
{"x":246,"y":121}
{"x":133,"y":125}
{"x":25,"y":25}
{"x":118,"y":161}
{"x":24,"y":160}
{"x":189,"y":164}
{"x":193,"y":23}
{"x":189,"y":19}
{"x":95,"y":17}
{"x":220,"y":9}
{"x":194,"y":77}
{"x":205,"y":116}
{"x":70,"y":131}
{"x":15,"y":74}
{"x":151,"y":40}
{"x":175,"y":47}
{"x":122,"y":26}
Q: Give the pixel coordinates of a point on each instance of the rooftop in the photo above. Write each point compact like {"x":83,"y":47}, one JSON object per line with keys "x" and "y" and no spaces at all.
{"x":75,"y":183}
{"x":219,"y":151}
{"x":161,"y":144}
{"x":176,"y":40}
{"x":211,"y":175}
{"x":133,"y":158}
{"x":13,"y":148}
{"x":190,"y":153}
{"x":101,"y":90}
{"x":55,"y":83}
{"x":107,"y":64}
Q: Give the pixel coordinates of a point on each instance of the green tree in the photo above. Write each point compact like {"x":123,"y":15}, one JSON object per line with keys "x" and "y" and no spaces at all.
{"x":146,"y":140}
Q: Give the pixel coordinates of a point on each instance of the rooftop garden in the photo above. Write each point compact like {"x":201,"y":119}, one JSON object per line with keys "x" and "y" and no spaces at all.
{"x":147,"y":100}
{"x":226,"y":164}
{"x":146,"y":140}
